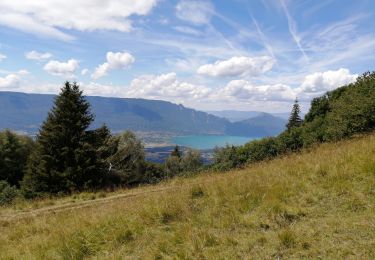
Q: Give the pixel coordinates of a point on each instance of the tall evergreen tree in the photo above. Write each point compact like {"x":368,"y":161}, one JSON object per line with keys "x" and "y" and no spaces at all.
{"x":64,"y":158}
{"x":294,"y":118}
{"x":176,"y":152}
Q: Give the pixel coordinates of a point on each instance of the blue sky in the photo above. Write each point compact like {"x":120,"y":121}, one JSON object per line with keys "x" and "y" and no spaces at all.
{"x":209,"y":55}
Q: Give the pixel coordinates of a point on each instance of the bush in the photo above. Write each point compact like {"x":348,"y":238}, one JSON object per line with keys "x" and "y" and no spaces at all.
{"x":153,"y":173}
{"x":287,"y":239}
{"x":256,"y":151}
{"x":127,"y":159}
{"x":14,"y":151}
{"x":227,"y":158}
{"x":172,"y":166}
{"x":191,"y":161}
{"x":7,"y":193}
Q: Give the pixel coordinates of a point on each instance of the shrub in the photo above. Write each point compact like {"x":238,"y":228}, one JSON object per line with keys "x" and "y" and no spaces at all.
{"x":14,"y":150}
{"x":153,"y":173}
{"x":127,"y":159}
{"x":266,"y":148}
{"x":172,"y":166}
{"x":287,"y":239}
{"x":191,"y":161}
{"x":227,"y":158}
{"x":7,"y":193}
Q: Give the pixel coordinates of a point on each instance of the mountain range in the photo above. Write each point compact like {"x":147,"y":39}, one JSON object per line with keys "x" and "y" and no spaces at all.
{"x":236,"y":115}
{"x":26,"y":112}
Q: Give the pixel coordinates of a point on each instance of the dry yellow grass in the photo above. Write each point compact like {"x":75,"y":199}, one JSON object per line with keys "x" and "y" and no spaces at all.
{"x":318,"y":204}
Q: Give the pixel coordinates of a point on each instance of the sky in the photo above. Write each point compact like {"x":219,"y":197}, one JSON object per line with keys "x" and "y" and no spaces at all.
{"x":205,"y":54}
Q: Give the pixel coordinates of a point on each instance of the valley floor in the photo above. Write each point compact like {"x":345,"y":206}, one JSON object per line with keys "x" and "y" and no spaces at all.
{"x":317,"y":204}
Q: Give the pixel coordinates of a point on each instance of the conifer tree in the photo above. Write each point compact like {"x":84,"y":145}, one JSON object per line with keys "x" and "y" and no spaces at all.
{"x":64,"y":158}
{"x":176,"y":152}
{"x":294,"y":118}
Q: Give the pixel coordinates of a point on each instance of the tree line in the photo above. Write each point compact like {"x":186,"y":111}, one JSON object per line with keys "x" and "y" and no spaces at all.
{"x":68,"y":156}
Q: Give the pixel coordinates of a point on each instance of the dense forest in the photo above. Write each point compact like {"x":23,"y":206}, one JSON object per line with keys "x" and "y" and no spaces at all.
{"x":68,"y":156}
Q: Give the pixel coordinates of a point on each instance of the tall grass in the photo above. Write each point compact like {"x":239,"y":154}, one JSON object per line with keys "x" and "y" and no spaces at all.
{"x":318,"y":204}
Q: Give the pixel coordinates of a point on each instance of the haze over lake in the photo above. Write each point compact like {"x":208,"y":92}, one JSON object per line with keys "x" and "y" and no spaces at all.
{"x":203,"y":142}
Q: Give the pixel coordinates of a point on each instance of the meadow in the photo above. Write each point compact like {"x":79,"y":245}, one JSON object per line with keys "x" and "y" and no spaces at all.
{"x":319,"y":203}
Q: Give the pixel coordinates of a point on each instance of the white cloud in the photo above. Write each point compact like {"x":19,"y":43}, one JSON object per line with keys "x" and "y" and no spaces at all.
{"x":62,"y":69}
{"x":195,"y":12}
{"x":186,"y":65}
{"x":2,"y":57}
{"x":164,"y":21}
{"x":118,"y":60}
{"x":34,"y":55}
{"x":12,"y":81}
{"x":47,"y":18}
{"x":166,"y":87}
{"x":96,"y":89}
{"x":84,"y":72}
{"x":238,"y":66}
{"x":325,"y":81}
{"x":187,"y":30}
{"x":28,"y":24}
{"x":245,"y":90}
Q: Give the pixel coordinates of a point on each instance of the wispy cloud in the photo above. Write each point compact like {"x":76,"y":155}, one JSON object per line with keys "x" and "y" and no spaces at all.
{"x":2,"y":57}
{"x":263,"y":37}
{"x":292,"y":25}
{"x":195,"y":12}
{"x":34,"y":55}
{"x":188,"y":30}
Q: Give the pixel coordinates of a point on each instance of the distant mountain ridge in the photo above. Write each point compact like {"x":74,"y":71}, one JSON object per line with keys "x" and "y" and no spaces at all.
{"x":236,"y":115}
{"x":26,"y":112}
{"x":266,"y":123}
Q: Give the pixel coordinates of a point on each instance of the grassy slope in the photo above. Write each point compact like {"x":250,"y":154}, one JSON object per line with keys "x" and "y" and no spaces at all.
{"x":316,"y":204}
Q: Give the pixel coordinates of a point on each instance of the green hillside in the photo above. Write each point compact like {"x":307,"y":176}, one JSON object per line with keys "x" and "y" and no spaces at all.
{"x":315,"y":204}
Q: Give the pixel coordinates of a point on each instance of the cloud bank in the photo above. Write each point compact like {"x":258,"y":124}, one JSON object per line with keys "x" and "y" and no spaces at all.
{"x":47,"y":18}
{"x":238,"y":66}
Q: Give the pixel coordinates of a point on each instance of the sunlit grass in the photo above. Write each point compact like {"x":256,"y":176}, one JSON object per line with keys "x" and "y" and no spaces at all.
{"x":318,"y":204}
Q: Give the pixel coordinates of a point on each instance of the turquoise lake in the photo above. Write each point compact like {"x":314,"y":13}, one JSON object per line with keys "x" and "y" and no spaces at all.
{"x":203,"y":142}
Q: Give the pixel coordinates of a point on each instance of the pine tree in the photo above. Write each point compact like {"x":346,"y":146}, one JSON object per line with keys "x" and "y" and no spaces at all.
{"x":64,"y":158}
{"x":176,"y":152}
{"x":294,"y":118}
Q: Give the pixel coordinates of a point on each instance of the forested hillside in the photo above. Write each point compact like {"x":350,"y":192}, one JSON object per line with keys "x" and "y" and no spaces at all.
{"x":338,"y":114}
